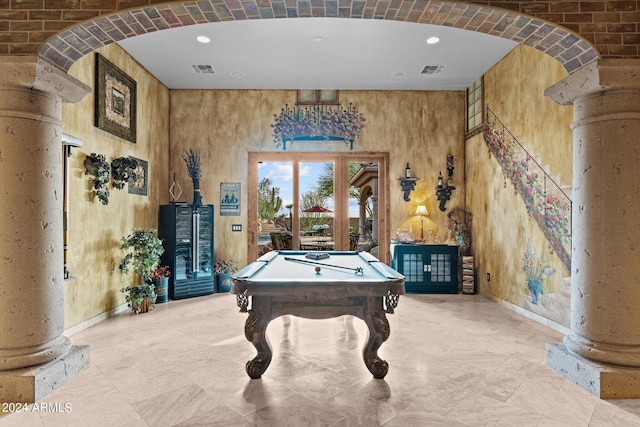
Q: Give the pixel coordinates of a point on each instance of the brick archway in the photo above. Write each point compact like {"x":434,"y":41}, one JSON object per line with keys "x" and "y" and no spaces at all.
{"x":569,"y":49}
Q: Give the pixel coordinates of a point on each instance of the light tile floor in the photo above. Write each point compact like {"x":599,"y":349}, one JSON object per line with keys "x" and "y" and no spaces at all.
{"x":455,"y":360}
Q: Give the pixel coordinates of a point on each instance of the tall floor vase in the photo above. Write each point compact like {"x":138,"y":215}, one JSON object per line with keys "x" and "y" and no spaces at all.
{"x":197,"y":197}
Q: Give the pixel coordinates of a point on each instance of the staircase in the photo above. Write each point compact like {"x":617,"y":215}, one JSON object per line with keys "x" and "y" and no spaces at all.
{"x":546,"y":201}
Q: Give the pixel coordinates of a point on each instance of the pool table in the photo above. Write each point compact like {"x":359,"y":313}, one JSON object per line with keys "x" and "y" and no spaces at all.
{"x":305,"y":284}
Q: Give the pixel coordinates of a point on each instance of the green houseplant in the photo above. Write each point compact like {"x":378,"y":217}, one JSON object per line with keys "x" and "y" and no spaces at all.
{"x":97,"y":166}
{"x":140,"y":298}
{"x":143,"y":250}
{"x":223,"y":270}
{"x":122,"y":169}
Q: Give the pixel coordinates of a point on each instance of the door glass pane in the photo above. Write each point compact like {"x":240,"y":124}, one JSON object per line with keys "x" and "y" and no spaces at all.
{"x":363,"y":208}
{"x":413,"y":267}
{"x":183,"y":243}
{"x":275,"y":198}
{"x":317,"y":205}
{"x":205,"y":244}
{"x":440,"y":268}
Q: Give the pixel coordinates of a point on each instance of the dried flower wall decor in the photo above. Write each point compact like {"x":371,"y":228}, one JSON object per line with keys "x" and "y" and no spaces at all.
{"x":319,"y":122}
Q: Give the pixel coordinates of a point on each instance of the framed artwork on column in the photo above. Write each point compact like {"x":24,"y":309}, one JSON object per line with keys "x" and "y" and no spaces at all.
{"x":115,"y":100}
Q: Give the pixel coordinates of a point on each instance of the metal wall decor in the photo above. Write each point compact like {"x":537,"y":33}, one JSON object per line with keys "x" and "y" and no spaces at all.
{"x":443,"y":192}
{"x":115,"y":100}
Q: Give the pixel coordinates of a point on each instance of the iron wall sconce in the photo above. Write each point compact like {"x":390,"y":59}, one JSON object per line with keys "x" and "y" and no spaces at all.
{"x":443,"y":192}
{"x":407,"y":184}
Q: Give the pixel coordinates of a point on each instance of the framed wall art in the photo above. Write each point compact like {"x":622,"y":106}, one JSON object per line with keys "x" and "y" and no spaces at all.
{"x":229,"y":199}
{"x":115,"y":109}
{"x":139,"y":182}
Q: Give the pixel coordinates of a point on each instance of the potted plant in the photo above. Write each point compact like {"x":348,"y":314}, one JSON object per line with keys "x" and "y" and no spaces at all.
{"x":140,"y":298}
{"x":223,"y":270}
{"x":160,"y":279}
{"x":97,"y":166}
{"x":122,"y":169}
{"x":143,"y":254}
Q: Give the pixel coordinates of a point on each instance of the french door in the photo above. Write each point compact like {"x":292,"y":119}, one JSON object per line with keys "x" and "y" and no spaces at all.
{"x":373,"y":200}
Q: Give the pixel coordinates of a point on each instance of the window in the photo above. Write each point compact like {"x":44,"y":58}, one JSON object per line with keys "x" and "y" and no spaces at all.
{"x":314,"y":97}
{"x":475,"y":108}
{"x":68,"y":142}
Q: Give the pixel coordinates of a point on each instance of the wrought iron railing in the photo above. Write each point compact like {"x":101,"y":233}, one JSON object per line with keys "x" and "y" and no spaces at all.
{"x":545,"y":200}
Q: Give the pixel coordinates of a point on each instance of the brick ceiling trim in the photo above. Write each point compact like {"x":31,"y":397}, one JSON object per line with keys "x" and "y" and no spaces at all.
{"x":569,"y":49}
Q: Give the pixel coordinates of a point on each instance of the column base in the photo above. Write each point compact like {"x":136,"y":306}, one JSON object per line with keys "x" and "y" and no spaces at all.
{"x":28,"y":385}
{"x":603,"y":381}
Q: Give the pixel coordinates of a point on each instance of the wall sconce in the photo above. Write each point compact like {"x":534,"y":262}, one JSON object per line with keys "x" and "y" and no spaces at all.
{"x":407,"y":183}
{"x":443,"y":193}
{"x":422,"y":211}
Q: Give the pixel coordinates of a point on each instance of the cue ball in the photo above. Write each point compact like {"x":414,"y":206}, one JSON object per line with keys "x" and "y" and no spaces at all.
{"x":318,"y":269}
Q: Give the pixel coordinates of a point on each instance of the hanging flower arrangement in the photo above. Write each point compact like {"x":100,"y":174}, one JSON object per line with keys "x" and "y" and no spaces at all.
{"x":317,"y":122}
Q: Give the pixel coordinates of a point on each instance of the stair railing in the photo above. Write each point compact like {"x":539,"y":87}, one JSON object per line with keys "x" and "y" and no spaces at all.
{"x":545,"y":200}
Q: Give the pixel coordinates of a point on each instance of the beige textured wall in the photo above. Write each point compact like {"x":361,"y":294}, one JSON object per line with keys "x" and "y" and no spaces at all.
{"x":514,"y":90}
{"x":416,"y":127}
{"x":95,"y":229}
{"x":501,"y":226}
{"x":413,"y":126}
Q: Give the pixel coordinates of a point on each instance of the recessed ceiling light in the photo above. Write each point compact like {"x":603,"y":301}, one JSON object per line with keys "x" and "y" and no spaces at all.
{"x":237,"y":74}
{"x":318,"y":39}
{"x":203,"y":39}
{"x":433,"y":40}
{"x":398,"y":74}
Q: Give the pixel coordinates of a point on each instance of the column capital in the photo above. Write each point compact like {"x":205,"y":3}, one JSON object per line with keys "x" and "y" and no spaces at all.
{"x":31,"y":72}
{"x":599,"y":76}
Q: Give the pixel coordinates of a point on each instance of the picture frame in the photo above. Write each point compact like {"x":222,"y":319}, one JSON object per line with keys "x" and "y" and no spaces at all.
{"x":139,"y":183}
{"x":317,"y":97}
{"x":115,"y":100}
{"x":229,"y":199}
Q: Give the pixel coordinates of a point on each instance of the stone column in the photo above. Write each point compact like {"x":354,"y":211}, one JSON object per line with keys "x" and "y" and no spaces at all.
{"x":602,"y":351}
{"x":362,"y":215}
{"x":35,"y":356}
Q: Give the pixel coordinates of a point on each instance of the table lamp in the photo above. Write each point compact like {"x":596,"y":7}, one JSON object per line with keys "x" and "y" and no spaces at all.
{"x":422,"y":211}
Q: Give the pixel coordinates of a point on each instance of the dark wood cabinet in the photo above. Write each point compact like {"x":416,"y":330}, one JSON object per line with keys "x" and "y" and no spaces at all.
{"x":187,"y":234}
{"x":427,"y":268}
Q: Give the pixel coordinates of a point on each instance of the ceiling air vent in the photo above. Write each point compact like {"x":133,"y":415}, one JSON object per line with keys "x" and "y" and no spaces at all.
{"x":432,"y":69}
{"x":203,"y":69}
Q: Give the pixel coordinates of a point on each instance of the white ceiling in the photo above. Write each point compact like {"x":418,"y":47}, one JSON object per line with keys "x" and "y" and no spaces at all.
{"x":317,"y":53}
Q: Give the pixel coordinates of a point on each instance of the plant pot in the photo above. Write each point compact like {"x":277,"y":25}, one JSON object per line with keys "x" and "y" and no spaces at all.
{"x":141,"y":306}
{"x":223,"y":282}
{"x":161,"y":288}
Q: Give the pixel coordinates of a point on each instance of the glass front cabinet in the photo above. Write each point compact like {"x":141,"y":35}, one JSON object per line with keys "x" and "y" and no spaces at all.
{"x":427,"y":268}
{"x":187,"y":234}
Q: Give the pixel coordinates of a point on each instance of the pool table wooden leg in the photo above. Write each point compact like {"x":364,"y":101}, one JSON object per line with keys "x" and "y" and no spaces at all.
{"x":376,"y":320}
{"x":255,"y":332}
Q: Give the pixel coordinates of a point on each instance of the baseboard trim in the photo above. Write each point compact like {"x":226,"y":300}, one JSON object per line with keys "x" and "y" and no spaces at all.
{"x":94,"y":320}
{"x":526,"y":313}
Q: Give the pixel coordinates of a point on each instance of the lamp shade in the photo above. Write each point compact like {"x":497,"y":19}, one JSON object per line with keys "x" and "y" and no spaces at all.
{"x":422,"y":210}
